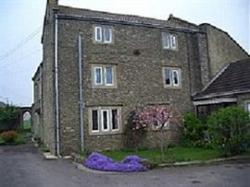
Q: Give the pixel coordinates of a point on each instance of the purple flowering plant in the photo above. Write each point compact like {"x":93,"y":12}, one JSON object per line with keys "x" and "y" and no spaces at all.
{"x":101,"y":162}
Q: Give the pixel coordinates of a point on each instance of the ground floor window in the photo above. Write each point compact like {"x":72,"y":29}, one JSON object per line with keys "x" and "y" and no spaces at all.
{"x":248,"y":107}
{"x":104,"y":120}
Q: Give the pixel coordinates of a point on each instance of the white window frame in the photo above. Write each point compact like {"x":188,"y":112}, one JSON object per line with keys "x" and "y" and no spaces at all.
{"x":96,"y":34}
{"x":105,"y":29}
{"x":98,"y":116}
{"x":169,"y":41}
{"x":111,"y":119}
{"x":165,"y":40}
{"x":105,"y":76}
{"x":172,"y":84}
{"x":100,"y":122}
{"x":103,"y":70}
{"x":108,"y":120}
{"x":173,"y":41}
{"x":170,"y":76}
{"x":95,"y":76}
{"x":178,"y":77}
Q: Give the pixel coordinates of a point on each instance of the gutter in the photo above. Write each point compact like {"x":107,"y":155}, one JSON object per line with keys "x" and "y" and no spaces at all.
{"x":215,"y":101}
{"x":81,"y":101}
{"x":212,"y":95}
{"x":57,"y":130}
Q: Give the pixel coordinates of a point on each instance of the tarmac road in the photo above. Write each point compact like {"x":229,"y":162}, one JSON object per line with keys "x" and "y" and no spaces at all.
{"x":23,"y":166}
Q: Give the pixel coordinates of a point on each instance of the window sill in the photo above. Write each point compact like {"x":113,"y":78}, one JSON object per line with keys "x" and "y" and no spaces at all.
{"x":104,"y":87}
{"x":173,"y":87}
{"x":170,"y":49}
{"x":103,"y":43}
{"x":105,"y":133}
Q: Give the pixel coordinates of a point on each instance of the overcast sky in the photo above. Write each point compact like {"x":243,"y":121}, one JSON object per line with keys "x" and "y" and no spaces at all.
{"x":21,"y":26}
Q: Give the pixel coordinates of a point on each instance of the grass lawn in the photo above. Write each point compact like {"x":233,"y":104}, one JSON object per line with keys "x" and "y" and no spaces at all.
{"x":173,"y":154}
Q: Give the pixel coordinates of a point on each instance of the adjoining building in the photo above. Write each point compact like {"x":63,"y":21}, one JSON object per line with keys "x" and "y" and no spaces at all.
{"x":231,"y":86}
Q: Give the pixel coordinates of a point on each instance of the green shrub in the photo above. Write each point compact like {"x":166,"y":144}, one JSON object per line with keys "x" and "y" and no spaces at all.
{"x":194,"y":131}
{"x":9,"y":136}
{"x":229,"y":130}
{"x":8,"y":118}
{"x":1,"y":141}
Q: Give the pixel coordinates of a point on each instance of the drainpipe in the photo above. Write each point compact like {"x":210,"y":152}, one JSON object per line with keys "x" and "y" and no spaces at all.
{"x":81,"y":101}
{"x":56,"y":90}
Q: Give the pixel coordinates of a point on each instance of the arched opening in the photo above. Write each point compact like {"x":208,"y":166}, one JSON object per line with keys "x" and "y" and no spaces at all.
{"x":26,"y":123}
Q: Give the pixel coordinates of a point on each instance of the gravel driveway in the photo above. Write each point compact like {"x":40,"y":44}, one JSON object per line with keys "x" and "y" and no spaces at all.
{"x":23,"y":166}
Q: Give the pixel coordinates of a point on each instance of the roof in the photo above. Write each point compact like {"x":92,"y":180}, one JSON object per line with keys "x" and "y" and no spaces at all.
{"x":37,"y":71}
{"x":124,"y":18}
{"x":234,"y":78}
{"x":87,"y":13}
{"x":172,"y":22}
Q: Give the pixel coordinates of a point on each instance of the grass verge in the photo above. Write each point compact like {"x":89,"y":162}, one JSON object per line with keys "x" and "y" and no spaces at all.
{"x":173,"y":154}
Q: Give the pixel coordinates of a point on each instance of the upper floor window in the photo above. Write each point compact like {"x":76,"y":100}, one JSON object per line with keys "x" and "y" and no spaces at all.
{"x":103,"y":34}
{"x":169,"y":41}
{"x":104,"y":120}
{"x":172,"y":77}
{"x":103,"y":75}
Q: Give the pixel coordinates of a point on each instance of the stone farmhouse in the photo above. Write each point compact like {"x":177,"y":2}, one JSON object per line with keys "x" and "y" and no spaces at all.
{"x":97,"y":67}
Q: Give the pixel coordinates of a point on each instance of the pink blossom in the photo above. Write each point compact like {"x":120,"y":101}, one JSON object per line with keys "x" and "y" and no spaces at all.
{"x":152,"y":116}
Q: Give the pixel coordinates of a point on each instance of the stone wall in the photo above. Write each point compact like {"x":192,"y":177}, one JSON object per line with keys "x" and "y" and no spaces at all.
{"x":36,"y":103}
{"x":47,"y":105}
{"x":222,"y":48}
{"x":139,"y":77}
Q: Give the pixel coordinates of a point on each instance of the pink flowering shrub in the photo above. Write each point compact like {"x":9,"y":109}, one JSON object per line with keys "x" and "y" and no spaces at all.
{"x":153,"y":117}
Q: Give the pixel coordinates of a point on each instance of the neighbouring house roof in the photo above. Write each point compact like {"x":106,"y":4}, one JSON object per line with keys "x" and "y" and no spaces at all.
{"x":232,"y":79}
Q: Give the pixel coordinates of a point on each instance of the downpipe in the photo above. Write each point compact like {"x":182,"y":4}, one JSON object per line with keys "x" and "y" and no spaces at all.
{"x":81,"y":100}
{"x":56,"y":90}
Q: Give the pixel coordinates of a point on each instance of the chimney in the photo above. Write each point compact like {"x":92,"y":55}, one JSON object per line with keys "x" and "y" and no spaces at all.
{"x":52,"y":2}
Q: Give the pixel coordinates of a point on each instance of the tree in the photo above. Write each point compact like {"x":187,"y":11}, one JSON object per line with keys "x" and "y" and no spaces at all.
{"x":156,"y":118}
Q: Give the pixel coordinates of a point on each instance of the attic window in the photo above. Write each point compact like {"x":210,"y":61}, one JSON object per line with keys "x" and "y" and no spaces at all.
{"x":103,"y":34}
{"x":169,"y":41}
